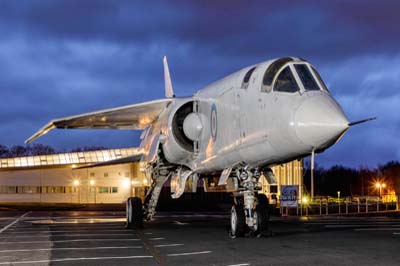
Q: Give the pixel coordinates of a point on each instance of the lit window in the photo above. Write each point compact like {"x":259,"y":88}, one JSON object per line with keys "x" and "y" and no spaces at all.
{"x":103,"y":189}
{"x":114,"y":190}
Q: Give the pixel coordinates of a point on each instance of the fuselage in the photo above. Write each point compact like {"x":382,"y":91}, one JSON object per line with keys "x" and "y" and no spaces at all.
{"x":264,"y":114}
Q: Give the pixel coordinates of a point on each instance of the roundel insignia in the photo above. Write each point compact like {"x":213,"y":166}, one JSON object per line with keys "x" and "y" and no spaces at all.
{"x":214,"y":122}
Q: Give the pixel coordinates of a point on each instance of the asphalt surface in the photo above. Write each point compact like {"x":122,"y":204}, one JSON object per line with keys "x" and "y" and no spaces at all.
{"x":99,"y":238}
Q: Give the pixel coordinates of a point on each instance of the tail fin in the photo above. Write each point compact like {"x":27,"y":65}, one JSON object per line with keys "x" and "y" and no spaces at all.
{"x":169,"y":91}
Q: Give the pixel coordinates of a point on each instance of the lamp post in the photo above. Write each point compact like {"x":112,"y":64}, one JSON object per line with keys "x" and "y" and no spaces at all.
{"x":338,"y":199}
{"x":379,"y":186}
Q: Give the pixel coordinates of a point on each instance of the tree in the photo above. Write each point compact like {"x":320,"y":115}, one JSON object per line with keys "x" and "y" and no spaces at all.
{"x":40,"y":149}
{"x":18,"y":151}
{"x":3,"y":151}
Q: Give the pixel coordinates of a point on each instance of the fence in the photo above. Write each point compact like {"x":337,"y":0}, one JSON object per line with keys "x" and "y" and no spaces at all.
{"x":342,"y":206}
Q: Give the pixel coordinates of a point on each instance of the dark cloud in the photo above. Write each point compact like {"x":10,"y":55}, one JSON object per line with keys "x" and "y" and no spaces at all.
{"x":59,"y":58}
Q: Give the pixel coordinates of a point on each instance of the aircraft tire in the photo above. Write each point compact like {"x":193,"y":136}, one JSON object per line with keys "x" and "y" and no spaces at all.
{"x":238,"y":221}
{"x":262,"y":212}
{"x":134,"y":213}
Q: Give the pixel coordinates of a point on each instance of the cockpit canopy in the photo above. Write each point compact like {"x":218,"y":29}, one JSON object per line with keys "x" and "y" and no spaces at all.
{"x":290,"y":75}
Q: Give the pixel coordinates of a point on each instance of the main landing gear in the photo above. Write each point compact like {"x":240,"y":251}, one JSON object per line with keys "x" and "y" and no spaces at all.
{"x":249,"y":213}
{"x":136,"y":211}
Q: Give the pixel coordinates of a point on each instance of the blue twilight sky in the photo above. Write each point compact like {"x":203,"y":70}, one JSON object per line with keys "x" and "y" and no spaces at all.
{"x":59,"y":58}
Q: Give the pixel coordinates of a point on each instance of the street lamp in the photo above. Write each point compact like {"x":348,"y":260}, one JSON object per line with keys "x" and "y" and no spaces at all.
{"x":379,"y":186}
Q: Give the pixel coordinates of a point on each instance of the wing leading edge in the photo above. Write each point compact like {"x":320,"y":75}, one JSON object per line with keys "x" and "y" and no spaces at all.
{"x":131,"y":117}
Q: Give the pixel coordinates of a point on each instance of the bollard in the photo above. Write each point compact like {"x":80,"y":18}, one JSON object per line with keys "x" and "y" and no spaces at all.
{"x":320,"y":207}
{"x":301,"y":209}
{"x":339,"y":206}
{"x":347,"y":207}
{"x":397,"y":203}
{"x":377,"y":205}
{"x":366,"y":205}
{"x":358,"y":205}
{"x":326,"y":208}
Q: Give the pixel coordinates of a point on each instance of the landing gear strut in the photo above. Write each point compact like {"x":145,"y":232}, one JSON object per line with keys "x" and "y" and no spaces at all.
{"x":136,"y":211}
{"x":250,"y":210}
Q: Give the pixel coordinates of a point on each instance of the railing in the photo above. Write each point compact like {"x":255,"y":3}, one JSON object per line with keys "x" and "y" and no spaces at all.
{"x":342,"y":206}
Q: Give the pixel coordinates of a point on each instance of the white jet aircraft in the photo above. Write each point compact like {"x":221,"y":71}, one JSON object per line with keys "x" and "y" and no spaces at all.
{"x":234,"y":129}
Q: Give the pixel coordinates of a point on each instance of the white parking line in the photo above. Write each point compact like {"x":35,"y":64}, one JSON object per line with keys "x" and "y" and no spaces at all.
{"x":67,"y":241}
{"x":55,"y":249}
{"x":14,"y":222}
{"x":168,"y":245}
{"x":61,"y":231}
{"x":361,"y":225}
{"x":396,"y":233}
{"x":189,"y":253}
{"x":73,"y":259}
{"x":242,"y":264}
{"x":78,"y":240}
{"x":378,"y":229}
{"x":69,"y":235}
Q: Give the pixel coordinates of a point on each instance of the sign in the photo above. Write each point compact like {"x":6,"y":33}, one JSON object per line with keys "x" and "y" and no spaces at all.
{"x":289,"y":196}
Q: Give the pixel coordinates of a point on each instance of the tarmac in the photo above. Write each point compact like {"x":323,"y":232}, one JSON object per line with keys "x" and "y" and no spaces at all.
{"x":100,"y":238}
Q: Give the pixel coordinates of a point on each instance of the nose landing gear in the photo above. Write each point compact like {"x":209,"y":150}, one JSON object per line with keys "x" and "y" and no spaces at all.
{"x":249,"y":213}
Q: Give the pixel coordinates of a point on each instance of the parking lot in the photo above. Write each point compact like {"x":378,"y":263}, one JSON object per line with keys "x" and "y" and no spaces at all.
{"x":99,"y":238}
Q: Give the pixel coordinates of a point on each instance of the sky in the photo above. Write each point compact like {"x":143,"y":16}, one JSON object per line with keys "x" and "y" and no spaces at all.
{"x":60,"y":58}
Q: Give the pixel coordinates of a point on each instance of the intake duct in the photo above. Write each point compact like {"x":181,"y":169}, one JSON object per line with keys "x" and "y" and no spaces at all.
{"x":187,"y":126}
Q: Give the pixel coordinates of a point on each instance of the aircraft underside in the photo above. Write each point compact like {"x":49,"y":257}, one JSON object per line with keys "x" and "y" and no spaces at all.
{"x":250,"y":209}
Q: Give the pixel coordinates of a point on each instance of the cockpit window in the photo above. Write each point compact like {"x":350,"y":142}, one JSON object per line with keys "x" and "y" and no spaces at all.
{"x":246,"y":79}
{"x":319,"y":79}
{"x":286,"y":81}
{"x":271,"y":72}
{"x":306,"y":77}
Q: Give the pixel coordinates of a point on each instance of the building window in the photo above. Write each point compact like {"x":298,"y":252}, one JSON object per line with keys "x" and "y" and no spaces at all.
{"x":105,"y":174}
{"x":103,"y":189}
{"x":8,"y":189}
{"x":114,"y":190}
{"x":92,"y":174}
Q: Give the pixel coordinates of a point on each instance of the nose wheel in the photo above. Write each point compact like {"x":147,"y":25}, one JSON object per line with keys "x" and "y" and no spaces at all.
{"x":260,"y":218}
{"x":238,"y":221}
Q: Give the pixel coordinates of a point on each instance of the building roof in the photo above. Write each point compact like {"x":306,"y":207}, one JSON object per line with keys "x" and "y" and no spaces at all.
{"x":60,"y":159}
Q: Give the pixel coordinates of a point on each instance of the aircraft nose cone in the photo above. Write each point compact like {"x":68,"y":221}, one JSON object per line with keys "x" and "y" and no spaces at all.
{"x":320,"y":122}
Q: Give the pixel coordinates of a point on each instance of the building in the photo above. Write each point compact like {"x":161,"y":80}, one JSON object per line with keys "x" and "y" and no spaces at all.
{"x":58,"y":178}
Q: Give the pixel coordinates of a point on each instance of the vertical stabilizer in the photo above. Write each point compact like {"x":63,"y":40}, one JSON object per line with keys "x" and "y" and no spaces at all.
{"x":169,"y":91}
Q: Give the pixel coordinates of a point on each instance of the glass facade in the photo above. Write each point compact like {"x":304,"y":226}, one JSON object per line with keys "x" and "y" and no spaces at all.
{"x":67,"y":158}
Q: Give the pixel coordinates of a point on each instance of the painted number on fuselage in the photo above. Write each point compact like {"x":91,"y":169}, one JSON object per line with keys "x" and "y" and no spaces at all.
{"x":214,"y":122}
